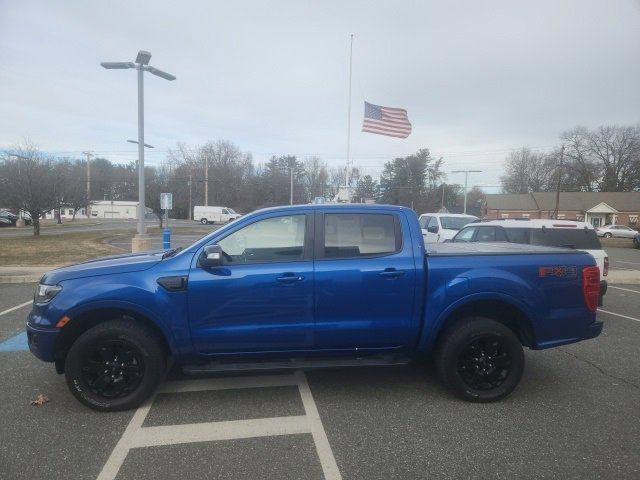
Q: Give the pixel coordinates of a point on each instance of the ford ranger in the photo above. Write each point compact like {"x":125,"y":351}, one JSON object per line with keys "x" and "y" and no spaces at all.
{"x":311,"y":286}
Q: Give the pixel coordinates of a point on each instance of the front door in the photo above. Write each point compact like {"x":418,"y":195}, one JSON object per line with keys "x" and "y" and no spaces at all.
{"x":261,"y":298}
{"x":365,"y":281}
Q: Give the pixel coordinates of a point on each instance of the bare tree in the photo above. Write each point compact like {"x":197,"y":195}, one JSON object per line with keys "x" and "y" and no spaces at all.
{"x":28,"y":182}
{"x":528,"y":171}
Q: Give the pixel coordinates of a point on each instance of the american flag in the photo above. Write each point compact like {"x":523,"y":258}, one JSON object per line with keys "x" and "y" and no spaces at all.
{"x":386,"y":121}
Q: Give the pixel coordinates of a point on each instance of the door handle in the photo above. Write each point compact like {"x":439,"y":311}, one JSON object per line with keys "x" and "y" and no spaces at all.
{"x":391,"y":273}
{"x":289,"y":278}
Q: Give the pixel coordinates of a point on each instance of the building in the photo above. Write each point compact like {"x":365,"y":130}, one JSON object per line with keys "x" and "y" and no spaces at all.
{"x":596,"y":208}
{"x":125,"y":210}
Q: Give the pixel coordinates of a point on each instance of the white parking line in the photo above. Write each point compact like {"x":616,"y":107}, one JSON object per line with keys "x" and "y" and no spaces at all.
{"x":625,"y":289}
{"x":619,"y":315}
{"x":136,"y":436}
{"x":16,"y":307}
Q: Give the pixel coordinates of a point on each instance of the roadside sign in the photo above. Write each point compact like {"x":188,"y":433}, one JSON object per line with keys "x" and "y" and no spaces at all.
{"x":166,"y":201}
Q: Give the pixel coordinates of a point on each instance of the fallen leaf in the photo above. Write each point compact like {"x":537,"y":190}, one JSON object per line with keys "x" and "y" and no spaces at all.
{"x":40,"y":400}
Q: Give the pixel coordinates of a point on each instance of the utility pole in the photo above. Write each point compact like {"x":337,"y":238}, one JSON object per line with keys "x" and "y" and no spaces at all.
{"x":190,"y":207}
{"x":291,"y":186}
{"x":466,"y":177}
{"x":442,"y":202}
{"x":555,"y":212}
{"x":206,"y":180}
{"x":88,"y":206}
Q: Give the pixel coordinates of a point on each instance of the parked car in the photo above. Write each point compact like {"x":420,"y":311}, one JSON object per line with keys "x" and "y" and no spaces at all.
{"x":438,"y":227}
{"x":311,"y":286}
{"x":13,"y":218}
{"x":620,"y":231}
{"x":5,"y":222}
{"x":214,"y":215}
{"x":551,"y":233}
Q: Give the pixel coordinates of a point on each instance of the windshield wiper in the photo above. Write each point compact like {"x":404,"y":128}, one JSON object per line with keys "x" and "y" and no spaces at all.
{"x":171,"y":253}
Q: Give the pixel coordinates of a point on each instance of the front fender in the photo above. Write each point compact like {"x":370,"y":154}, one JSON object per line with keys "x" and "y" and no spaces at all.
{"x":134,"y":308}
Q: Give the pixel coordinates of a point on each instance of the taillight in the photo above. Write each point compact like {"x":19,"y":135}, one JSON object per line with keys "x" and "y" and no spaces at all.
{"x":605,"y":271}
{"x":591,"y":287}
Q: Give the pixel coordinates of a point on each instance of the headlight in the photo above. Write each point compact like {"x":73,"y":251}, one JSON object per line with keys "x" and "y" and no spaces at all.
{"x":44,"y":293}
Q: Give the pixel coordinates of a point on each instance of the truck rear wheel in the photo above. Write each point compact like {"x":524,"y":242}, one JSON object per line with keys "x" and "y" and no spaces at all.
{"x":115,"y":365}
{"x":480,"y":359}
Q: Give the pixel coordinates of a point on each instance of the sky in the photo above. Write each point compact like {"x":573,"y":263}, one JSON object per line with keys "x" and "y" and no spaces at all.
{"x":478,"y":79}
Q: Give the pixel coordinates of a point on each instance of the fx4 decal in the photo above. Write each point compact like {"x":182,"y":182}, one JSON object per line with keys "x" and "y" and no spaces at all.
{"x":558,"y":271}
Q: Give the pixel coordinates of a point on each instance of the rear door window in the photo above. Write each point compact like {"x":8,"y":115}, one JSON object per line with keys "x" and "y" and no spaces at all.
{"x":465,"y":235}
{"x":578,"y":238}
{"x":362,"y":234}
{"x":517,"y":235}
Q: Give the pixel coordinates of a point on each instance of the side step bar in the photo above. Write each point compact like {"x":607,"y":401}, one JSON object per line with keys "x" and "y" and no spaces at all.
{"x":301,"y":363}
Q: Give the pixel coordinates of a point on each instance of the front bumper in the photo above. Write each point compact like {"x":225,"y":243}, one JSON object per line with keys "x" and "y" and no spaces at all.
{"x":42,"y":342}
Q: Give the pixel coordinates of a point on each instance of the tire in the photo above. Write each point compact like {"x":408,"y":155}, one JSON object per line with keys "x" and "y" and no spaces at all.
{"x":143,"y":358}
{"x":608,"y":235}
{"x":476,"y":373}
{"x":204,"y":221}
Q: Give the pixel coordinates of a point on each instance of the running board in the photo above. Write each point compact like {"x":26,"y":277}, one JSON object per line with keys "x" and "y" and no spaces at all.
{"x":294,"y":363}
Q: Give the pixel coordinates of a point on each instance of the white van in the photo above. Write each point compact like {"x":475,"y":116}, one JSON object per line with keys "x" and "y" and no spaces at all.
{"x":207,"y":215}
{"x":438,"y":227}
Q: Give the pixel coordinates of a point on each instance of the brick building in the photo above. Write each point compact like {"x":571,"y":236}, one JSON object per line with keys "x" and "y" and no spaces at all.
{"x":597,"y":208}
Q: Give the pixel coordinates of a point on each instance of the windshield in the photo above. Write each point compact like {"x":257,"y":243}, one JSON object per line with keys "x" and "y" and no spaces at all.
{"x":455,"y":223}
{"x":230,"y":210}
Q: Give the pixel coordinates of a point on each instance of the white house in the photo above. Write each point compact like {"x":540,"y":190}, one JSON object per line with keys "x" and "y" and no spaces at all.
{"x":121,"y":209}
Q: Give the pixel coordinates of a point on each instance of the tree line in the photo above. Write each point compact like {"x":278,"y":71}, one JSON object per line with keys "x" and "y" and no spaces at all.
{"x":604,"y":159}
{"x":219,"y":170}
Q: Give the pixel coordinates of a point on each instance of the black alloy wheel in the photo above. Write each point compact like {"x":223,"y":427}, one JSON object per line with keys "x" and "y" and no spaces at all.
{"x":479,"y":359}
{"x":115,"y":365}
{"x":484,"y":364}
{"x":113,"y":369}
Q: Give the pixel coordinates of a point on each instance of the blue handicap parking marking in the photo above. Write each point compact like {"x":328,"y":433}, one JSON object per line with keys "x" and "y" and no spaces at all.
{"x":16,"y":343}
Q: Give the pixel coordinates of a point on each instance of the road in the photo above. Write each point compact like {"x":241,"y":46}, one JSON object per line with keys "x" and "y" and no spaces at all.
{"x":575,"y":415}
{"x":101,"y":225}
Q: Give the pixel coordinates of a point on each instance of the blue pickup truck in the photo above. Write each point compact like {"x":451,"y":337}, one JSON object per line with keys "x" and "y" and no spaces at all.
{"x":311,"y":286}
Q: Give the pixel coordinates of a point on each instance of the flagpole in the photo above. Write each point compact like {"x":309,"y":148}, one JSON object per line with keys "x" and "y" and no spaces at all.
{"x":349,"y":121}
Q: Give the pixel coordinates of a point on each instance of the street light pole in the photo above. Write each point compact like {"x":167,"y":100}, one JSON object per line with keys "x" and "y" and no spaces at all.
{"x":466,"y":177}
{"x":140,"y":242}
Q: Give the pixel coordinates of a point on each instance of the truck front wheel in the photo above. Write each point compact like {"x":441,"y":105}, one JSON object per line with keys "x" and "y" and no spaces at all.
{"x":115,"y":365}
{"x":204,"y":221}
{"x":480,"y":359}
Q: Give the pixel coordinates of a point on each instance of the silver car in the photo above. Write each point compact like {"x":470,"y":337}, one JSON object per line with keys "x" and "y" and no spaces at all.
{"x":620,"y":231}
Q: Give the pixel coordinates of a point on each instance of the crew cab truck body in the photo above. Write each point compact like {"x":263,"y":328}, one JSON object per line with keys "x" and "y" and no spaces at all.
{"x":311,"y":286}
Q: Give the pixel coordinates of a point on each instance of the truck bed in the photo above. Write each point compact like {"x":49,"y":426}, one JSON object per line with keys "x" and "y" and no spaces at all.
{"x":495,"y":248}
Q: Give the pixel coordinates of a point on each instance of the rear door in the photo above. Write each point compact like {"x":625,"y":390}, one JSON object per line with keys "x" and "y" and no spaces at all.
{"x":364,"y":280}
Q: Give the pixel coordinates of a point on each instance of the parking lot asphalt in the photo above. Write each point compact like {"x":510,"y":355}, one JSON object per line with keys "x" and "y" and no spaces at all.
{"x":621,"y":258}
{"x":576,"y":414}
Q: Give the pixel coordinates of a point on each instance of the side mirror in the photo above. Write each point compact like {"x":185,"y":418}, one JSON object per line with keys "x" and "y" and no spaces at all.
{"x":447,"y":240}
{"x":211,"y":256}
{"x":433,"y":229}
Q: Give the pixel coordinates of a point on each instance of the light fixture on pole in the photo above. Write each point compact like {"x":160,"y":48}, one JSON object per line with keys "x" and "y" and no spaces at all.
{"x":466,"y":177}
{"x":140,"y":241}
